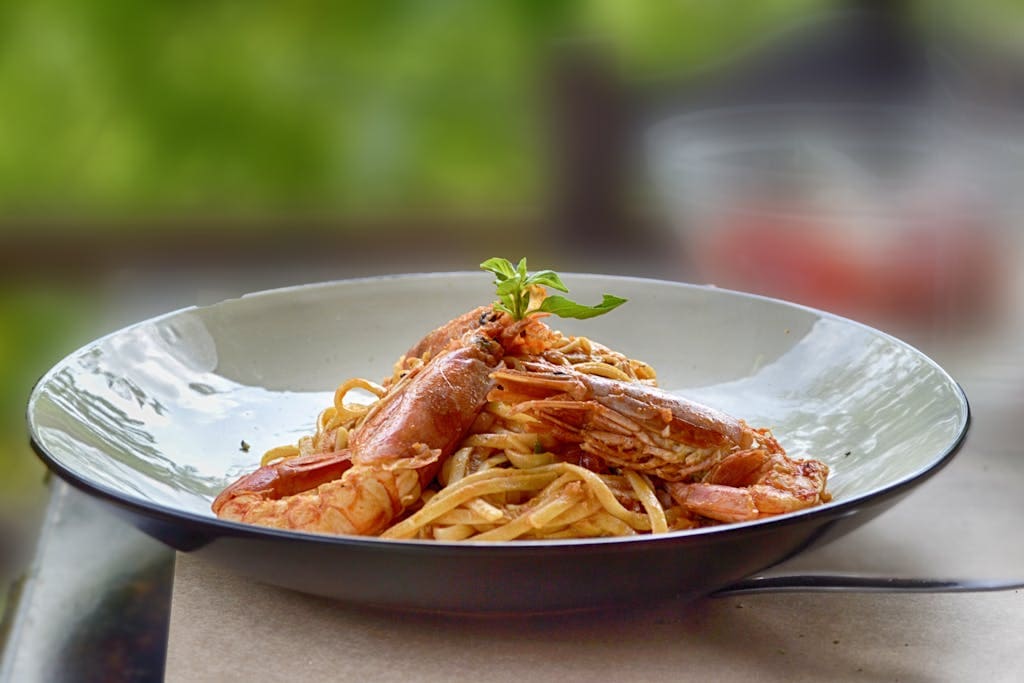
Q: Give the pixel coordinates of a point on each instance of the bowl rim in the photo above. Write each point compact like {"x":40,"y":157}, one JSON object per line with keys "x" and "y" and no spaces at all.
{"x":212,"y":526}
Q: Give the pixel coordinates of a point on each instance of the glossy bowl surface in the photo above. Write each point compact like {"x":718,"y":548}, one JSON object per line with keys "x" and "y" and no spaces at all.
{"x":152,"y":419}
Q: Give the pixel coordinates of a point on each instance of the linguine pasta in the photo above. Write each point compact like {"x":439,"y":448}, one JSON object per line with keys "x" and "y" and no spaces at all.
{"x":495,"y":427}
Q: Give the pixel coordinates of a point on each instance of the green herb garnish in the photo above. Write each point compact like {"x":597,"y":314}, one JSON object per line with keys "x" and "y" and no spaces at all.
{"x":513,"y":284}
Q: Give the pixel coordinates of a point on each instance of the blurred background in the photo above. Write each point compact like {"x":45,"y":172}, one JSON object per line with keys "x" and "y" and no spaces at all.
{"x":863,"y":157}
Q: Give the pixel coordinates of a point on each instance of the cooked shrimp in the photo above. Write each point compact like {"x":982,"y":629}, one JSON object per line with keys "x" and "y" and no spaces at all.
{"x":394,"y":453}
{"x":714,"y":465}
{"x":287,"y":477}
{"x":752,"y":484}
{"x":626,"y":424}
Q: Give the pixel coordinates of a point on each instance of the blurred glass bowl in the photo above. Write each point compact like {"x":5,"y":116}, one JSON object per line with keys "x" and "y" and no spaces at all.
{"x":872,"y":212}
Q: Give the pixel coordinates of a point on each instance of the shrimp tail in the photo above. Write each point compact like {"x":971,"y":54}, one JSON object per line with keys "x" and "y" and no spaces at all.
{"x":287,"y":477}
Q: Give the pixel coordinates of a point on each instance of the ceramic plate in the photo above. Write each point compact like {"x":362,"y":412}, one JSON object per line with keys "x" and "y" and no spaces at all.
{"x":152,"y":419}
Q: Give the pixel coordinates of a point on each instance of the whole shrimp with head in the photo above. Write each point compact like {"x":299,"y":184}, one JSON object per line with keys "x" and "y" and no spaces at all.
{"x":390,"y":452}
{"x":713,"y":465}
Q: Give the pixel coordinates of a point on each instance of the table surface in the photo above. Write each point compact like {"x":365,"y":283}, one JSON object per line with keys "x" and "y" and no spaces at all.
{"x":98,"y":586}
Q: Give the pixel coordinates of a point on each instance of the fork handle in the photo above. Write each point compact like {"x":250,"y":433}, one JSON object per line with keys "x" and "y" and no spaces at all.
{"x":822,"y":583}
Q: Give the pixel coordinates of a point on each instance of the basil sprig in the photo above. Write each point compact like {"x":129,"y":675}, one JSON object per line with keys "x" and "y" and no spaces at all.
{"x":513,"y":285}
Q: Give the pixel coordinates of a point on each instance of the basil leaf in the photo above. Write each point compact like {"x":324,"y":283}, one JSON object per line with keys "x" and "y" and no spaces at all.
{"x":513,"y":289}
{"x":510,"y":286}
{"x":566,"y":308}
{"x":548,"y":278}
{"x":501,"y":268}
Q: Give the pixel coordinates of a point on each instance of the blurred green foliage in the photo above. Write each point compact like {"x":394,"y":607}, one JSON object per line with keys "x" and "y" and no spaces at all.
{"x":237,"y":107}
